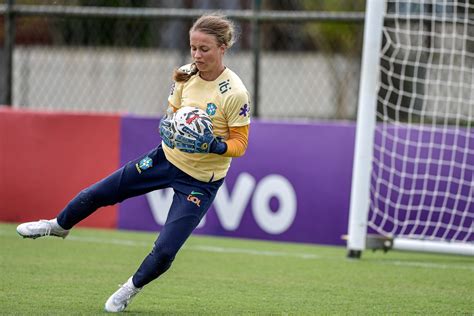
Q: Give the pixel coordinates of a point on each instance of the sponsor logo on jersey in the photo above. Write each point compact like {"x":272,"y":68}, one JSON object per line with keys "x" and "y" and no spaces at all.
{"x":224,"y":86}
{"x":211,"y":109}
{"x":193,"y":199}
{"x":245,"y":110}
{"x":172,"y":88}
{"x":144,"y":164}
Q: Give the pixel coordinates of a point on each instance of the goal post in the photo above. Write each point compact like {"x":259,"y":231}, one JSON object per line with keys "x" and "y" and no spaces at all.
{"x":413,"y":184}
{"x":366,"y":117}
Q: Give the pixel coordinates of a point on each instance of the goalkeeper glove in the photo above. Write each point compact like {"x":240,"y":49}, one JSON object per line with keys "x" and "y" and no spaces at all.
{"x":206,"y":143}
{"x":166,"y":132}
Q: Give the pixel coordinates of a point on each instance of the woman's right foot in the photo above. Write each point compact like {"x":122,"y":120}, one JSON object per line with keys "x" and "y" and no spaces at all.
{"x":41,"y":228}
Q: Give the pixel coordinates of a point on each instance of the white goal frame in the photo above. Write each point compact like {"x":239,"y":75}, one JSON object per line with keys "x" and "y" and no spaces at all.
{"x":358,"y":238}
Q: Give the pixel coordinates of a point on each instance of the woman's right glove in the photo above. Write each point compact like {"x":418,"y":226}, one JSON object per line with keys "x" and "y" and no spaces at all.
{"x":166,"y":132}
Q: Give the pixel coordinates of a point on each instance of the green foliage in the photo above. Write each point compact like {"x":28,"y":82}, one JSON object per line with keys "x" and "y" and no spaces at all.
{"x":219,"y":276}
{"x":108,"y":31}
{"x":336,"y":37}
{"x":331,"y":5}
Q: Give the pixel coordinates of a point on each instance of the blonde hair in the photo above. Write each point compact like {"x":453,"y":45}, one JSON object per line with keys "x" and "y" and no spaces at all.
{"x":216,"y":25}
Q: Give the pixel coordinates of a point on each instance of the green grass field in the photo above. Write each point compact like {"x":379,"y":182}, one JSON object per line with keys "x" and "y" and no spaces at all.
{"x":222,"y":276}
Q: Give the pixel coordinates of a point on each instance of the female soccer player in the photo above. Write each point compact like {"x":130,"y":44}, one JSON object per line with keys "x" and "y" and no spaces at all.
{"x":194,"y":167}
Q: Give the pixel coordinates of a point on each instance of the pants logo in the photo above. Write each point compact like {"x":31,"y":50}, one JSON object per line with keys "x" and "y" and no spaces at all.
{"x":193,"y":199}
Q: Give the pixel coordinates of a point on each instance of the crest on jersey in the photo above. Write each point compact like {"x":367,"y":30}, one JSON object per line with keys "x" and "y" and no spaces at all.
{"x":211,"y":109}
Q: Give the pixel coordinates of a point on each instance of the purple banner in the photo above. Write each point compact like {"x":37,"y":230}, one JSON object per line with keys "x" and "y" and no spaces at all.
{"x":293,"y":184}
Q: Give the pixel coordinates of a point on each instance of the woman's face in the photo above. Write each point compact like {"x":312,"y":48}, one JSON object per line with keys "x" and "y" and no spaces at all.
{"x":207,"y":54}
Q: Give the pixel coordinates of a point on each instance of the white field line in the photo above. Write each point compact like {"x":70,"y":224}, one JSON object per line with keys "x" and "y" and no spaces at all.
{"x":198,"y":248}
{"x":254,"y":252}
{"x":216,"y":249}
{"x":426,"y":265}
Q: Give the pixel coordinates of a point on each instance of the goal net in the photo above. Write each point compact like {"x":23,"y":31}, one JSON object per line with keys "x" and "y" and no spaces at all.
{"x":418,"y":175}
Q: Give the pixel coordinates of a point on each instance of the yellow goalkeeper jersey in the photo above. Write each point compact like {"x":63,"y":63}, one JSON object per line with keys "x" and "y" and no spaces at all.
{"x":227,"y":102}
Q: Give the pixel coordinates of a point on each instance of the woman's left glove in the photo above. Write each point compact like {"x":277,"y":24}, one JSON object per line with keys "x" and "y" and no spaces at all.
{"x":203,"y":144}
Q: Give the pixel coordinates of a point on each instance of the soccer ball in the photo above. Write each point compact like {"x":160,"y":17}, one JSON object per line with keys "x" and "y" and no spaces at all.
{"x":191,"y":118}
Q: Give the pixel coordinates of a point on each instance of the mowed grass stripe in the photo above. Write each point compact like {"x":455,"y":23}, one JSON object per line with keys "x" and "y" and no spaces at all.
{"x":226,"y":276}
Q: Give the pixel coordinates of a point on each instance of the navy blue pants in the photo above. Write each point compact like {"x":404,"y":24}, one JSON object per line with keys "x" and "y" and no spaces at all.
{"x":192,"y":198}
